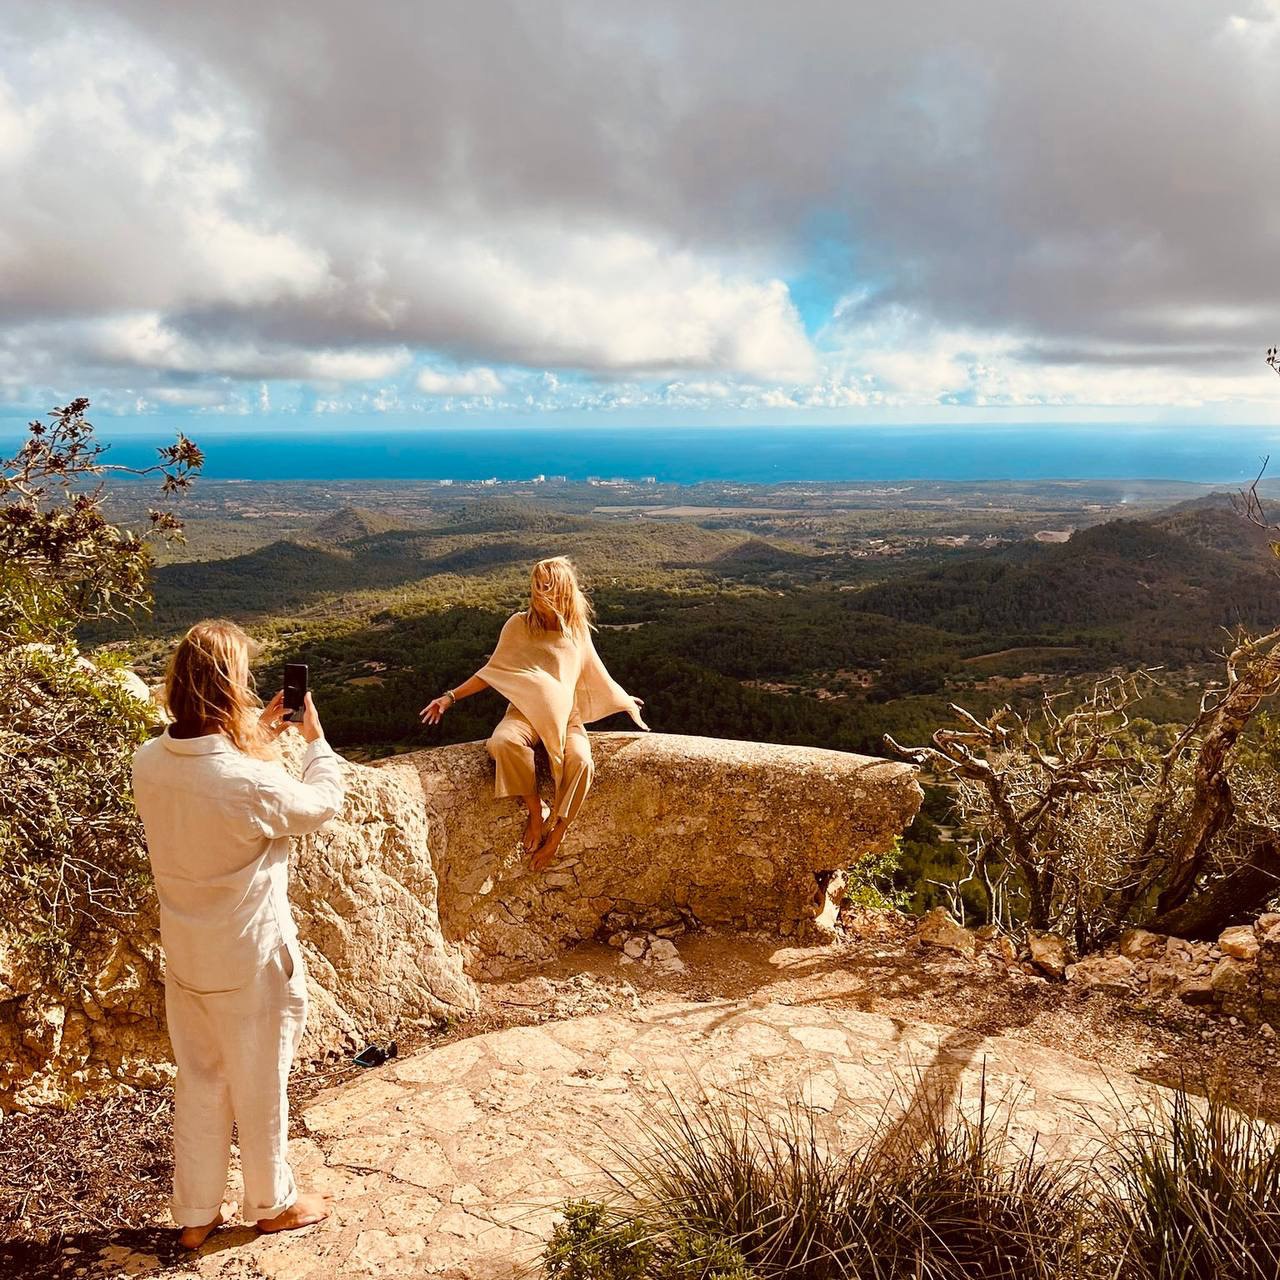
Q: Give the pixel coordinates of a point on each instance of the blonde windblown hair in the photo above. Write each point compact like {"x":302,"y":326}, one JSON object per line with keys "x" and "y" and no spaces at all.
{"x":209,"y":686}
{"x":556,"y":601}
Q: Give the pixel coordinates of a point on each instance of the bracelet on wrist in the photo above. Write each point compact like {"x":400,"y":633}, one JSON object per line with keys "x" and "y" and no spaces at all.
{"x":449,"y":693}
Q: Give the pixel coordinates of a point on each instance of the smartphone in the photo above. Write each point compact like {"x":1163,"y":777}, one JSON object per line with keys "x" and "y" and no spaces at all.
{"x":295,"y":691}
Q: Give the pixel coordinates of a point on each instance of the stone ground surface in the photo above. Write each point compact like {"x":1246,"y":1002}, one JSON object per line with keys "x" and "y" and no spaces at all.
{"x":516,"y":1079}
{"x":451,"y":1162}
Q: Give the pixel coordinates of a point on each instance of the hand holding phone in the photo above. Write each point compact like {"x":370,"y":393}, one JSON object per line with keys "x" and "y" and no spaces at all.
{"x":295,"y":691}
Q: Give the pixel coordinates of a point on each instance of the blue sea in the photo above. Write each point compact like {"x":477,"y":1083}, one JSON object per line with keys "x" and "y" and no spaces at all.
{"x":759,"y":455}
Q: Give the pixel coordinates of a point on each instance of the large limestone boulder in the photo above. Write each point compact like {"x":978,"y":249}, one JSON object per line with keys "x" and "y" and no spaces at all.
{"x":678,"y":832}
{"x":423,"y":871}
{"x":364,"y":896}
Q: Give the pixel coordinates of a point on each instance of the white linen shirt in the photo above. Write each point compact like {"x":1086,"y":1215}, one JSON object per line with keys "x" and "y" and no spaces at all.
{"x":218,"y":824}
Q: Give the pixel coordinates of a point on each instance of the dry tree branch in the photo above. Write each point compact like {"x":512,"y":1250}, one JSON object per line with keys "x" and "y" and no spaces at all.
{"x":1065,"y":795}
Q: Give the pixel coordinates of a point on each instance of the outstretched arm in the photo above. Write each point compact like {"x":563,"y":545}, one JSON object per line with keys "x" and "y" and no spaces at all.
{"x":434,"y":711}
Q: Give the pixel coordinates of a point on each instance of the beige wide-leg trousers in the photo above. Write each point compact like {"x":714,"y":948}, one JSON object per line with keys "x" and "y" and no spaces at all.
{"x":233,"y":1050}
{"x":511,"y":746}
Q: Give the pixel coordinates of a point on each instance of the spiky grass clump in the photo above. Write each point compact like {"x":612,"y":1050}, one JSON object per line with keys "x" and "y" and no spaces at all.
{"x":964,"y":1204}
{"x":954,"y":1203}
{"x":1195,"y":1193}
{"x":719,"y":1190}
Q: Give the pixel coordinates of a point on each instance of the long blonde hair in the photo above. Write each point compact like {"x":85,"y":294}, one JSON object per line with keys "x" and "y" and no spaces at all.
{"x":209,"y":685}
{"x":556,"y":601}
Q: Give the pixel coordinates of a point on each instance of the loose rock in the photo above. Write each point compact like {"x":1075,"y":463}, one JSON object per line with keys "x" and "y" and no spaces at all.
{"x":1103,"y":973}
{"x":938,"y":928}
{"x":1049,"y":953}
{"x":1240,"y":942}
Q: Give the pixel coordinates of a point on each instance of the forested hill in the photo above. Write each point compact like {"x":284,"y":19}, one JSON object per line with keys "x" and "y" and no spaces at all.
{"x":1166,"y":586}
{"x":349,"y":524}
{"x":329,"y":565}
{"x":830,"y":641}
{"x":1216,"y":524}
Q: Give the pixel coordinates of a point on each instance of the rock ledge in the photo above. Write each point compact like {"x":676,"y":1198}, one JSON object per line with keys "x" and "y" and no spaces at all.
{"x":678,"y":832}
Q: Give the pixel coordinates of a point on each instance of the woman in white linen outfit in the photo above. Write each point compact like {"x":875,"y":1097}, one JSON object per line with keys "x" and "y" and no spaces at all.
{"x":219,"y":808}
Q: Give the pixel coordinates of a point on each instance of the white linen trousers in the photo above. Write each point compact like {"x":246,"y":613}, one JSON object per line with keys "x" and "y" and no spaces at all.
{"x":218,"y":824}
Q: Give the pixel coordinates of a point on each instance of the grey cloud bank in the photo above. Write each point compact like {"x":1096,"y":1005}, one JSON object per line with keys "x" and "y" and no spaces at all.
{"x":816,"y":205}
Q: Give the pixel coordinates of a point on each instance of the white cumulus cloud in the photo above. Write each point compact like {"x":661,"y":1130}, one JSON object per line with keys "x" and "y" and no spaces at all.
{"x":468,"y":382}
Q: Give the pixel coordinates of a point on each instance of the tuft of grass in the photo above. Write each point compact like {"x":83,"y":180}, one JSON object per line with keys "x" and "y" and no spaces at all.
{"x":957,"y":1203}
{"x":1194,"y":1193}
{"x":964,"y":1203}
{"x":722,"y":1189}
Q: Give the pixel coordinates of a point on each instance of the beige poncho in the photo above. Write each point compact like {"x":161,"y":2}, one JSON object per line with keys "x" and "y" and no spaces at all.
{"x":547,"y":675}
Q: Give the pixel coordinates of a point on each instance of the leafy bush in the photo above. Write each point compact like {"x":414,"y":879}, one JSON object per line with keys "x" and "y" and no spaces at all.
{"x":71,"y":853}
{"x":870,"y":884}
{"x":592,"y":1243}
{"x":61,"y":561}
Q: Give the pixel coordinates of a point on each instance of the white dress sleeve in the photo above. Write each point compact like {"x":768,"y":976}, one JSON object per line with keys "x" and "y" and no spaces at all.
{"x":287,"y":806}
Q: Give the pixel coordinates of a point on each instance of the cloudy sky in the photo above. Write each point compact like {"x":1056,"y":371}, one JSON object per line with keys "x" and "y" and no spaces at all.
{"x":728,"y":210}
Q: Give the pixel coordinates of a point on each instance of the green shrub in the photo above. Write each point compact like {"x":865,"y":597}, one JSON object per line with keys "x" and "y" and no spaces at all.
{"x":870,"y":883}
{"x":71,"y":851}
{"x":62,"y":561}
{"x":590,"y":1244}
{"x":594,"y":1242}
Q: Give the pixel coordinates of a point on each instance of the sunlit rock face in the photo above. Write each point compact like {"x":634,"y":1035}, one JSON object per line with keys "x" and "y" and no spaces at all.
{"x":678,"y":832}
{"x":364,"y":897}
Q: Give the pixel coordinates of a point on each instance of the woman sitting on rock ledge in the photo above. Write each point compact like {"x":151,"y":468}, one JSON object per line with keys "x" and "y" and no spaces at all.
{"x":547,"y":668}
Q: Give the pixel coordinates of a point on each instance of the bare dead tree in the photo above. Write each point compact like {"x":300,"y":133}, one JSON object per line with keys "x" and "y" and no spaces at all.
{"x":1026,"y":775}
{"x":1101,"y":830}
{"x":1253,"y":674}
{"x":1248,"y":502}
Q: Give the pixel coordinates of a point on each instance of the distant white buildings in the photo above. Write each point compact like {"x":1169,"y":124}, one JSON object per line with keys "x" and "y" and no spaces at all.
{"x":618,"y":482}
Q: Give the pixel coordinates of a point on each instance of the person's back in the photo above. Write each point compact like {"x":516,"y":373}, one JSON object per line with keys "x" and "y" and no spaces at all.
{"x":218,"y":808}
{"x":217,"y":822}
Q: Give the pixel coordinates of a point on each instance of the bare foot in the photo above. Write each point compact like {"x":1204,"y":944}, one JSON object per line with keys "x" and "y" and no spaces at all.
{"x":305,"y":1211}
{"x":194,"y":1237}
{"x":547,"y":849}
{"x":533,"y":831}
